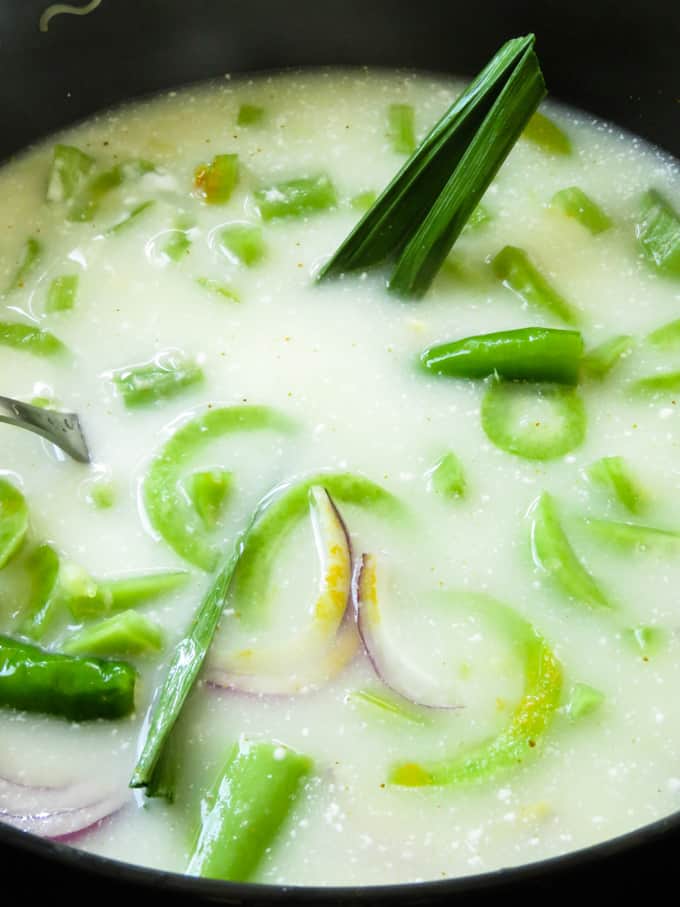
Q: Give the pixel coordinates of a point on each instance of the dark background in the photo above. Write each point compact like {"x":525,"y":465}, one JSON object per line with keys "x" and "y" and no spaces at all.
{"x":616,"y":59}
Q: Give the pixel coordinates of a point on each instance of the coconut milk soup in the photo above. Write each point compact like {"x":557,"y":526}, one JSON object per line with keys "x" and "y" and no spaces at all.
{"x":510,"y":691}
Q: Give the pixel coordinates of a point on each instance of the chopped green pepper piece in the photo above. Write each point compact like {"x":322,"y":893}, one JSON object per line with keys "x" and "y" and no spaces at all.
{"x":129,"y":218}
{"x":87,"y":598}
{"x":61,"y":295}
{"x":246,"y":809}
{"x":221,"y":289}
{"x":598,"y":362}
{"x":85,"y":203}
{"x":30,"y":256}
{"x":647,"y":640}
{"x":575,"y":203}
{"x":179,"y":241}
{"x":547,"y":135}
{"x":13,"y":520}
{"x":448,"y":477}
{"x":101,"y":494}
{"x":244,"y":243}
{"x":249,"y":115}
{"x":515,"y":270}
{"x":70,"y":167}
{"x":632,"y":536}
{"x":394,"y":706}
{"x":616,"y":477}
{"x":167,"y":375}
{"x":296,"y":197}
{"x":127,"y":633}
{"x":216,"y":181}
{"x":658,"y":232}
{"x":79,"y":689}
{"x":209,"y":492}
{"x":657,"y":385}
{"x":401,"y":128}
{"x":27,"y":339}
{"x":667,"y":336}
{"x":583,"y":701}
{"x":363,"y":201}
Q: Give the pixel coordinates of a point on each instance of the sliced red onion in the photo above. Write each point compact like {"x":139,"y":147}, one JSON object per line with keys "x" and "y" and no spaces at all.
{"x":404,"y":678}
{"x":317,"y":654}
{"x":58,"y":812}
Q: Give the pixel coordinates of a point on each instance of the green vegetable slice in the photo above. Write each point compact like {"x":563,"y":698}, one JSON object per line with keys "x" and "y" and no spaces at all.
{"x":658,"y":384}
{"x":513,"y":267}
{"x":296,"y":197}
{"x":165,"y":376}
{"x":128,"y":634}
{"x":598,"y":362}
{"x":179,"y":239}
{"x":614,"y":474}
{"x":392,"y":705}
{"x":547,"y":135}
{"x":169,"y":513}
{"x":448,"y":477}
{"x":86,"y":202}
{"x":532,"y":354}
{"x":534,"y":421}
{"x":27,"y":339}
{"x":88,"y":598}
{"x":531,"y":719}
{"x":576,"y":204}
{"x":216,"y":181}
{"x":245,"y":811}
{"x":70,"y":167}
{"x":667,"y":336}
{"x":552,"y":553}
{"x":30,"y":256}
{"x":633,"y":537}
{"x":244,"y":243}
{"x":61,"y":295}
{"x":209,"y":491}
{"x":658,"y":233}
{"x":130,"y":218}
{"x":42,"y":566}
{"x":583,"y":700}
{"x":220,"y":289}
{"x":249,"y":115}
{"x":401,"y":128}
{"x":13,"y":520}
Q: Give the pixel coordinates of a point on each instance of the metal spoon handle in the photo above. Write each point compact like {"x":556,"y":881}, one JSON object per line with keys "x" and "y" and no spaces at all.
{"x":62,"y":429}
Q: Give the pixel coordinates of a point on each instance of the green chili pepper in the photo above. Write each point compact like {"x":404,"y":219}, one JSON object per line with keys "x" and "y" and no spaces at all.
{"x":576,"y":204}
{"x":165,"y":376}
{"x":296,"y":197}
{"x":169,"y":513}
{"x":532,"y":354}
{"x":179,"y":241}
{"x":613,"y":474}
{"x":516,"y":271}
{"x":547,"y":135}
{"x":79,"y":689}
{"x":247,"y":808}
{"x":401,"y":128}
{"x":127,"y":634}
{"x":216,"y":181}
{"x":27,"y":339}
{"x":531,"y":718}
{"x":658,"y":233}
{"x":87,"y":598}
{"x":61,"y":295}
{"x":598,"y":362}
{"x":70,"y":167}
{"x":553,"y":554}
{"x":13,"y":520}
{"x":448,"y":477}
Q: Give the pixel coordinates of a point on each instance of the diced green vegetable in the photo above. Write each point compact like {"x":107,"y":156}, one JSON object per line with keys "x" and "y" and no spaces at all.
{"x":583,"y":700}
{"x":553,"y":554}
{"x":448,"y":477}
{"x":129,"y":591}
{"x":42,"y":566}
{"x":598,"y":362}
{"x":169,"y":514}
{"x":61,"y":295}
{"x":667,"y":336}
{"x":575,"y":203}
{"x":395,"y":707}
{"x":179,"y":240}
{"x":646,"y":640}
{"x":532,"y":354}
{"x":70,"y":167}
{"x":85,"y":203}
{"x":614,"y":474}
{"x":27,"y":339}
{"x":249,"y":115}
{"x":633,"y":537}
{"x":30,"y":256}
{"x":479,"y":217}
{"x":101,"y":494}
{"x":363,"y":201}
{"x":244,"y":242}
{"x":534,"y":421}
{"x":220,"y":289}
{"x":658,"y":233}
{"x":216,"y":181}
{"x":163,"y":377}
{"x":513,"y":267}
{"x":296,"y":197}
{"x":547,"y":135}
{"x":401,"y":128}
{"x":13,"y":520}
{"x":163,"y":782}
{"x":209,"y":492}
{"x":130,"y":218}
{"x":531,"y":719}
{"x":243,"y":814}
{"x":127,"y":634}
{"x":79,"y":689}
{"x":658,"y":384}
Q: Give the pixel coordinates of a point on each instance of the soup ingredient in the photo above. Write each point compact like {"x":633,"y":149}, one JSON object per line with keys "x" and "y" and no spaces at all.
{"x":30,"y":339}
{"x":633,"y":536}
{"x":598,"y":362}
{"x":296,"y":197}
{"x":126,"y":634}
{"x":448,"y":476}
{"x":547,"y":135}
{"x":42,"y":566}
{"x":79,"y":689}
{"x":13,"y":520}
{"x":658,"y":384}
{"x":129,"y":218}
{"x":209,"y":491}
{"x":243,"y":815}
{"x":60,"y":9}
{"x":216,"y":181}
{"x":61,"y":295}
{"x":552,"y":553}
{"x":244,"y":242}
{"x":249,"y":115}
{"x":513,"y":267}
{"x":531,"y":354}
{"x":70,"y":167}
{"x":575,"y":203}
{"x":583,"y":701}
{"x":85,"y":203}
{"x":658,"y":233}
{"x":401,"y":128}
{"x":30,"y":256}
{"x":531,"y":718}
{"x":421,"y":213}
{"x":166,"y":375}
{"x":390,"y":705}
{"x":667,"y":336}
{"x":614,"y":475}
{"x":533,"y":421}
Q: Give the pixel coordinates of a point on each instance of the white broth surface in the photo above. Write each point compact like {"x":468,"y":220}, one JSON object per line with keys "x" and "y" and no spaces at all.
{"x":340,"y":361}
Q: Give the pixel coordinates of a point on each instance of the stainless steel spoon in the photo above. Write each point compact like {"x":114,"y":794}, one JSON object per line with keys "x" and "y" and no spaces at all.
{"x":62,"y":429}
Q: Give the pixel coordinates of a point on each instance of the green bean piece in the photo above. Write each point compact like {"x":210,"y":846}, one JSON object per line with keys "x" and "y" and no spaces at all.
{"x":244,"y":243}
{"x":247,"y":808}
{"x":169,"y":513}
{"x":401,"y":128}
{"x":657,"y":385}
{"x":598,"y":362}
{"x":533,"y":421}
{"x":163,"y":377}
{"x":30,"y":256}
{"x":130,"y":218}
{"x":531,"y":719}
{"x":252,"y":579}
{"x":42,"y":566}
{"x":61,"y":295}
{"x":70,"y":167}
{"x":27,"y":339}
{"x":645,"y":639}
{"x":658,"y":233}
{"x":552,"y":553}
{"x":576,"y":204}
{"x":632,"y":536}
{"x":513,"y":267}
{"x":179,"y":241}
{"x":220,"y":289}
{"x":615,"y":476}
{"x":216,"y":181}
{"x":88,"y":598}
{"x":209,"y":491}
{"x":127,"y":634}
{"x":80,"y":592}
{"x":547,"y":135}
{"x":79,"y":689}
{"x":249,"y":115}
{"x":13,"y":521}
{"x":296,"y":198}
{"x":583,"y":700}
{"x":390,"y":705}
{"x":667,"y":336}
{"x":448,"y":477}
{"x":479,"y":218}
{"x":185,"y":664}
{"x":531,"y":354}
{"x":85,"y":203}
{"x":363,"y":200}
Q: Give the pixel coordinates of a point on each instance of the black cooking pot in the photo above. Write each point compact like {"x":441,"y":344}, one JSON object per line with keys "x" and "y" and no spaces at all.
{"x":615,"y":58}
